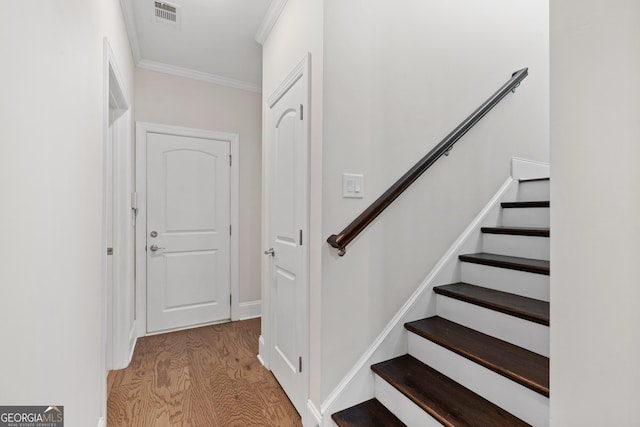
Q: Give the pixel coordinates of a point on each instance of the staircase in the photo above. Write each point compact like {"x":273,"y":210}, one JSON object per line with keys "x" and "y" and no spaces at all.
{"x":483,"y":360}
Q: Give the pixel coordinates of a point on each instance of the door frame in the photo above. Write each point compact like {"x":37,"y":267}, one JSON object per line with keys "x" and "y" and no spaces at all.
{"x":142,"y":129}
{"x":300,"y":72}
{"x":118,"y":338}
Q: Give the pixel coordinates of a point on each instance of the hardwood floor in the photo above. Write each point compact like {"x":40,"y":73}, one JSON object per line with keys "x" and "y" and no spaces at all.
{"x":204,"y":377}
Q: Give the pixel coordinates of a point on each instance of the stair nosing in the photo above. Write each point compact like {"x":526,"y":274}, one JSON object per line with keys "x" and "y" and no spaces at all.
{"x":500,"y":307}
{"x":534,"y":179}
{"x":506,"y":261}
{"x":526,"y":204}
{"x":518,"y":231}
{"x":491,"y":365}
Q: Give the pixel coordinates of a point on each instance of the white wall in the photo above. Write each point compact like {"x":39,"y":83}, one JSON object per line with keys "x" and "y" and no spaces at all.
{"x":166,"y":99}
{"x":51,"y":166}
{"x":298,"y":32}
{"x":399,"y":76}
{"x":595,"y":213}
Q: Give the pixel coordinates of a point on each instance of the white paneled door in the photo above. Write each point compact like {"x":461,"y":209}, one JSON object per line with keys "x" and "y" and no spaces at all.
{"x":188,"y":228}
{"x":287,"y":216}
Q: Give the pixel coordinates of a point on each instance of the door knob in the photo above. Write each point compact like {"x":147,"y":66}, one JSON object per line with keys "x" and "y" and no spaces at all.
{"x":270,"y":251}
{"x":155,"y":247}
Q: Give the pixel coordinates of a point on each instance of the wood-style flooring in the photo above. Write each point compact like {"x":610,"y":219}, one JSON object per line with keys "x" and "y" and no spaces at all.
{"x":204,"y":377}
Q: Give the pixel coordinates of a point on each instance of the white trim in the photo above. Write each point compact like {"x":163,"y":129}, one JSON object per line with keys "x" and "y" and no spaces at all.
{"x":528,"y":169}
{"x":198,"y":75}
{"x":358,"y":384}
{"x":142,"y":128}
{"x":261,"y":351}
{"x":116,"y":341}
{"x":249,"y":310}
{"x":102,"y":422}
{"x":234,"y":219}
{"x":312,"y":416}
{"x":130,"y":25}
{"x":269,"y":21}
{"x":296,"y":74}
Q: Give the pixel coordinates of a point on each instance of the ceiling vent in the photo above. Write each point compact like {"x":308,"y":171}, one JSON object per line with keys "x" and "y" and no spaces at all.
{"x":167,"y":13}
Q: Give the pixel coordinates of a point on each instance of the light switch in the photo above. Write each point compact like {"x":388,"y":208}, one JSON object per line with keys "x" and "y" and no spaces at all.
{"x":353,"y":186}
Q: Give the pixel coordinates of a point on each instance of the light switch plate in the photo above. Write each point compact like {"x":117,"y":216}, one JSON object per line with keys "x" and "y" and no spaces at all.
{"x":352,"y":186}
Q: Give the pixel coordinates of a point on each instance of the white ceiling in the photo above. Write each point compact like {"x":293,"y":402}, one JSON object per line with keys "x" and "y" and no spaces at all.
{"x":214,"y":40}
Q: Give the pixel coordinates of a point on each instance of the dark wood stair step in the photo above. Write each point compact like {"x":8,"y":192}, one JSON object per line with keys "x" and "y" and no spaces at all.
{"x":517,"y":231}
{"x":534,"y":204}
{"x":534,"y":179}
{"x":441,"y":397}
{"x":371,"y":413}
{"x":515,"y":305}
{"x":531,"y":265}
{"x":516,"y":363}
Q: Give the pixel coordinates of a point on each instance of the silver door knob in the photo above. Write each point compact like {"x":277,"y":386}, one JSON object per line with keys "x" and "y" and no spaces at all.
{"x":270,"y":251}
{"x":155,"y":247}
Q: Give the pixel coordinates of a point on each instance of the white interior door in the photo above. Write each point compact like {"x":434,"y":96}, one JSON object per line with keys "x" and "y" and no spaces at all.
{"x":287,"y":175}
{"x":188,"y":227}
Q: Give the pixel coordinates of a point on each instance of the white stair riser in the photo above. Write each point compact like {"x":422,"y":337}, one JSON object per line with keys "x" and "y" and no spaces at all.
{"x":522,"y":246}
{"x":525,"y":217}
{"x":523,"y":333}
{"x":523,"y":283}
{"x":533,"y":190}
{"x":520,"y":401}
{"x":401,"y":406}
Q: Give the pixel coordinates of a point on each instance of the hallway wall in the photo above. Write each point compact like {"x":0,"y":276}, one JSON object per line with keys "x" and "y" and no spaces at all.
{"x":595,"y":213}
{"x":177,"y":101}
{"x":298,"y":32}
{"x":51,"y":198}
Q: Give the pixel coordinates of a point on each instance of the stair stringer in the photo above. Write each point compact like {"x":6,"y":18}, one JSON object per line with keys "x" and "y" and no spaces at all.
{"x":358,"y":384}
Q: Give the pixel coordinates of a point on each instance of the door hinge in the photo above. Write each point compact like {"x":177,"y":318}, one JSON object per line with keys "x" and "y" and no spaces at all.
{"x":230,"y":229}
{"x":300,"y":364}
{"x":230,"y":299}
{"x":301,"y":112}
{"x":134,"y":203}
{"x":109,"y":251}
{"x":230,"y":160}
{"x":300,"y":237}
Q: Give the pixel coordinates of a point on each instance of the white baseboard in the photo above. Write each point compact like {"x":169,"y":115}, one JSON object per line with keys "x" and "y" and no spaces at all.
{"x":249,"y":310}
{"x":261,"y":352}
{"x":528,"y":169}
{"x":102,"y":422}
{"x":311,"y":417}
{"x":358,"y":385}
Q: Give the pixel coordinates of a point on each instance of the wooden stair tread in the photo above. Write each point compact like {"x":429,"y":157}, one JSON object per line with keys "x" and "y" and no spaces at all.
{"x":445,"y":400}
{"x":533,"y":179}
{"x":515,"y":305}
{"x":371,"y":413}
{"x":516,"y":363}
{"x":517,"y":231}
{"x":531,"y":265}
{"x":533,"y":204}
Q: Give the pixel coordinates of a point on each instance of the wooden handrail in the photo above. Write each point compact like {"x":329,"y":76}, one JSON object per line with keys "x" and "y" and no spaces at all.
{"x":340,"y":241}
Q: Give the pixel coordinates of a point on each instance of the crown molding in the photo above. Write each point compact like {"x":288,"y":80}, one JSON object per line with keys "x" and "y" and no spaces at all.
{"x":198,"y":75}
{"x":270,"y":19}
{"x":130,"y":25}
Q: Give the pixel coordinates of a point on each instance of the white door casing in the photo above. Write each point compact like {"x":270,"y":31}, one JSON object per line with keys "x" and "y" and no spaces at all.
{"x":188,"y":280}
{"x":119,"y":329}
{"x":286,"y":230}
